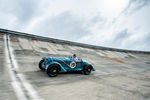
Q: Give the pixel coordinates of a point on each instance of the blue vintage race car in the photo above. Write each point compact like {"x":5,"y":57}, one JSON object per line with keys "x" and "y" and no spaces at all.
{"x":54,"y":65}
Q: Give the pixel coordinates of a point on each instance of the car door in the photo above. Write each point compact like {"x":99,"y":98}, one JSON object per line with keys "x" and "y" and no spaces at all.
{"x":68,"y":62}
{"x":78,"y":64}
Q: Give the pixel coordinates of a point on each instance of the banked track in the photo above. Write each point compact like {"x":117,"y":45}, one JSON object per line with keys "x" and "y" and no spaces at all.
{"x":120,"y":74}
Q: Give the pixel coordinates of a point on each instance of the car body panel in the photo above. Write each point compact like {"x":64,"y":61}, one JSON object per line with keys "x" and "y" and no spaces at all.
{"x":66,"y":64}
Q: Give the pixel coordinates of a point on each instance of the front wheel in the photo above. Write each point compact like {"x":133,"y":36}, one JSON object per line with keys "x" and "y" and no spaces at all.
{"x":52,"y":71}
{"x":41,"y":65}
{"x":87,"y":70}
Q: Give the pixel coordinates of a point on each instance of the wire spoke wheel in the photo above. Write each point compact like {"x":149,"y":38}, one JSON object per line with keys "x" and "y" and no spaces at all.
{"x":87,"y":70}
{"x":41,"y":65}
{"x":52,"y":71}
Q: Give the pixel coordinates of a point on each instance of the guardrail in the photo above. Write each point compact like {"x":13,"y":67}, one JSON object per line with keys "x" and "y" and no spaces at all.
{"x":5,"y":31}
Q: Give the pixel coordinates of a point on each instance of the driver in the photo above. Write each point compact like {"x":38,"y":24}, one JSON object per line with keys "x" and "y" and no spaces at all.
{"x":75,"y":57}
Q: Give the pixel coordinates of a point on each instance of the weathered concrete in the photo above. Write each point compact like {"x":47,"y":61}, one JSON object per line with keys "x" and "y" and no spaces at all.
{"x":6,"y":90}
{"x":119,"y":75}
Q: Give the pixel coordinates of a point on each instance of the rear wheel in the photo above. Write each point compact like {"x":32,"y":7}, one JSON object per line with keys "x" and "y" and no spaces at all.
{"x":52,"y":71}
{"x":41,"y":65}
{"x":87,"y":70}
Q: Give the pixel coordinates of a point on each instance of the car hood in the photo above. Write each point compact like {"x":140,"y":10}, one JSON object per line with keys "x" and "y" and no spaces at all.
{"x":57,"y":58}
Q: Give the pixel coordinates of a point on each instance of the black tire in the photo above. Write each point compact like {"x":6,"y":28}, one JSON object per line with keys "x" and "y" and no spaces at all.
{"x":41,"y":64}
{"x":52,"y":70}
{"x":87,"y":70}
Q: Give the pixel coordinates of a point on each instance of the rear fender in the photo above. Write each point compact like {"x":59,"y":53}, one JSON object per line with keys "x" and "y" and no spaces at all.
{"x":43,"y":58}
{"x":61,"y":68}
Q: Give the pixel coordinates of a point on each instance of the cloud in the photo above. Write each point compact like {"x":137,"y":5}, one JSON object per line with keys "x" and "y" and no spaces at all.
{"x":135,"y":5}
{"x":25,"y":9}
{"x":138,"y":42}
{"x":120,"y":37}
{"x":66,"y":26}
{"x":143,"y":42}
{"x":22,"y":10}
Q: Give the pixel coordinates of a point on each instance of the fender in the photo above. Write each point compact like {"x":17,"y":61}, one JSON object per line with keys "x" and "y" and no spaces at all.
{"x":43,"y":58}
{"x":92,"y":67}
{"x":63,"y":70}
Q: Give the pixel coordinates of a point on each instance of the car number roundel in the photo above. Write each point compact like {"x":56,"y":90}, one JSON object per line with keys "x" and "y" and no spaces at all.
{"x":72,"y":64}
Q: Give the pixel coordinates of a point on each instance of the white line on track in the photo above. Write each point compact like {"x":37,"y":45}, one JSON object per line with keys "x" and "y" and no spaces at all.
{"x":22,"y":88}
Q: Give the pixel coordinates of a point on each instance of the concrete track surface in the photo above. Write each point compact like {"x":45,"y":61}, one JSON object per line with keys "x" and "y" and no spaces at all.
{"x":119,"y":75}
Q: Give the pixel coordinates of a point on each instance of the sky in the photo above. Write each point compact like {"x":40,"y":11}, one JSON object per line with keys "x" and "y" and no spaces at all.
{"x":123,"y":24}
